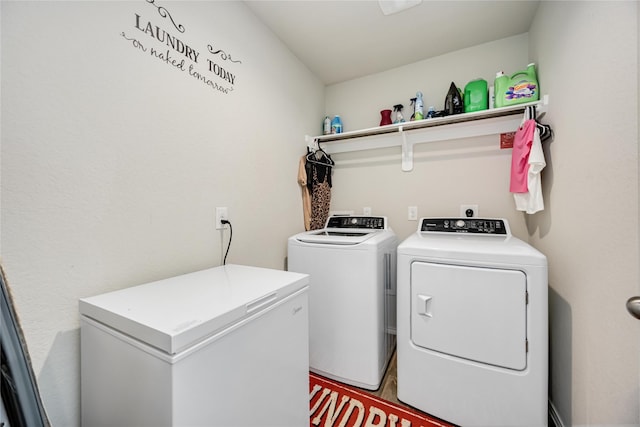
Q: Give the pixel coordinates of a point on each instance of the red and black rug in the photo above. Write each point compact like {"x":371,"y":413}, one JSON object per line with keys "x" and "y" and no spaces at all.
{"x":338,"y":405}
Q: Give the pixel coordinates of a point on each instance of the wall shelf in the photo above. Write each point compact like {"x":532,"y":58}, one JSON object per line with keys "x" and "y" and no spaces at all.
{"x":406,"y":135}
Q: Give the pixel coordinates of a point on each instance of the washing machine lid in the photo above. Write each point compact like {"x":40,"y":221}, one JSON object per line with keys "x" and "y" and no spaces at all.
{"x":175,"y":313}
{"x":336,"y":237}
{"x":345,"y":230}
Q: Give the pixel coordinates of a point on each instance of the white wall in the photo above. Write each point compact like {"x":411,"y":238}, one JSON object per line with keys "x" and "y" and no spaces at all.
{"x":113,"y":161}
{"x":445,"y":175}
{"x":590,"y":230}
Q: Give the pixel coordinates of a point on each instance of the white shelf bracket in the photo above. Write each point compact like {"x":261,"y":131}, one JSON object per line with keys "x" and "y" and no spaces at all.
{"x":543,"y":105}
{"x":312,"y":143}
{"x":407,"y":152}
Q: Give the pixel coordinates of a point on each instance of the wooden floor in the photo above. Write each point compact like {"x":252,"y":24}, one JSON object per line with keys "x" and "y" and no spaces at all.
{"x":389,"y":388}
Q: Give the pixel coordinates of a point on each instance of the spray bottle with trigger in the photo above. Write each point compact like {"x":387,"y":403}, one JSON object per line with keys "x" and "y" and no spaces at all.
{"x":413,"y":102}
{"x":419,"y":114}
{"x":398,"y":110}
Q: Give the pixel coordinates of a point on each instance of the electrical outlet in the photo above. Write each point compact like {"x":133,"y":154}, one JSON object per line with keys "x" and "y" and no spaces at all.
{"x":366,"y":211}
{"x":412,"y":213}
{"x":221,"y":213}
{"x":468,"y":211}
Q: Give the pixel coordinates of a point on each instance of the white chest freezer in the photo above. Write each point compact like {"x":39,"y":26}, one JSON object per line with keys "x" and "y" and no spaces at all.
{"x":226,"y":346}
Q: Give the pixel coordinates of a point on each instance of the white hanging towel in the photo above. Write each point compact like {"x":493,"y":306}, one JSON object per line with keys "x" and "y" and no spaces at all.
{"x":532,"y":201}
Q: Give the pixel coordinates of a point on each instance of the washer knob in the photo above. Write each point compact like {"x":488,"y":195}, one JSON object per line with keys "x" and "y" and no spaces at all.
{"x":459,"y":223}
{"x":354,"y":221}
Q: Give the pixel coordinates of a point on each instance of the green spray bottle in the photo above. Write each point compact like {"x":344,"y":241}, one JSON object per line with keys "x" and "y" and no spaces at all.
{"x":419,"y":114}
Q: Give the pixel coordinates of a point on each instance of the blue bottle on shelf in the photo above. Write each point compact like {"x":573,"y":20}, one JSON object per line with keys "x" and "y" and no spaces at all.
{"x":336,"y":124}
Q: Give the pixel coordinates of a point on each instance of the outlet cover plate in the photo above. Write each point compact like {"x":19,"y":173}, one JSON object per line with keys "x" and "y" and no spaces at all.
{"x":412,"y":213}
{"x":221,"y":213}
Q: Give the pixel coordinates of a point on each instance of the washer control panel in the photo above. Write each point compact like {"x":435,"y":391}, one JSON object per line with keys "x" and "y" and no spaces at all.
{"x":368,"y":222}
{"x":464,"y":225}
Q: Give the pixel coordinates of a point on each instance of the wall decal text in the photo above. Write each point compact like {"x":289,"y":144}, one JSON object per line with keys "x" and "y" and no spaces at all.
{"x":178,"y":53}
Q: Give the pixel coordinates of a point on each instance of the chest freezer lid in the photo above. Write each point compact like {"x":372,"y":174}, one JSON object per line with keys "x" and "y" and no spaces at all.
{"x":175,"y":313}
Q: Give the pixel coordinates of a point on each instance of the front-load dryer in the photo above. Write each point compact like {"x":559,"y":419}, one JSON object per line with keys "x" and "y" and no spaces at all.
{"x":352,"y":301}
{"x":472,"y":324}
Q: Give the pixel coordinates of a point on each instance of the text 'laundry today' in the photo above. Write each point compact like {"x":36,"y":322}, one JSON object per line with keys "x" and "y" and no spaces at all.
{"x":162,"y":36}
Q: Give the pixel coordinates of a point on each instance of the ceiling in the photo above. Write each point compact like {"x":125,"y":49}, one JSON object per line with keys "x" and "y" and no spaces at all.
{"x":345,"y":39}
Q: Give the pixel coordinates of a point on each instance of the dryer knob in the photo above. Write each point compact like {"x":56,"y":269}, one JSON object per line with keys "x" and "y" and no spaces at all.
{"x":354,"y":221}
{"x":459,"y":223}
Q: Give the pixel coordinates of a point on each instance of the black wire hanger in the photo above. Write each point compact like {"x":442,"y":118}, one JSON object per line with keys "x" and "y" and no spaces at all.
{"x":319,"y":157}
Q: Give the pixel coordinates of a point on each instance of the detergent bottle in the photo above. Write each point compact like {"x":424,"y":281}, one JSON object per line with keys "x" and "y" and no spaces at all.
{"x":518,"y":88}
{"x":326,"y":125}
{"x":336,"y":124}
{"x":475,"y":96}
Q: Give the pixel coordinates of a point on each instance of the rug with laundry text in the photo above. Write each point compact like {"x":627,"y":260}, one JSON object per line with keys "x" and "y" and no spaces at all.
{"x":339,"y":405}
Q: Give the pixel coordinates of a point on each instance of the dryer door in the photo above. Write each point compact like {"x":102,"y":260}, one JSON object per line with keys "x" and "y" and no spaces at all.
{"x":473,"y":313}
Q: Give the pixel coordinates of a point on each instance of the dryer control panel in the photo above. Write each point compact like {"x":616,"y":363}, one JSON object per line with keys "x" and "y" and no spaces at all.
{"x":465,"y":225}
{"x":369,"y":222}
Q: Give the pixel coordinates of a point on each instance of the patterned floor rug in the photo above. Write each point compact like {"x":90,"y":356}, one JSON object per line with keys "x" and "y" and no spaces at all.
{"x":338,"y":405}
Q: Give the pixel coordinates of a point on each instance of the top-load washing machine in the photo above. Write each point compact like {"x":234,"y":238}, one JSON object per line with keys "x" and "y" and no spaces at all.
{"x":352,"y":268}
{"x":472,"y":324}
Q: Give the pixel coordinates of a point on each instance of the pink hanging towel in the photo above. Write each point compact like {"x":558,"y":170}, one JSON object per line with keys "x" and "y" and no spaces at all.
{"x":532,"y":201}
{"x":520,"y":157}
